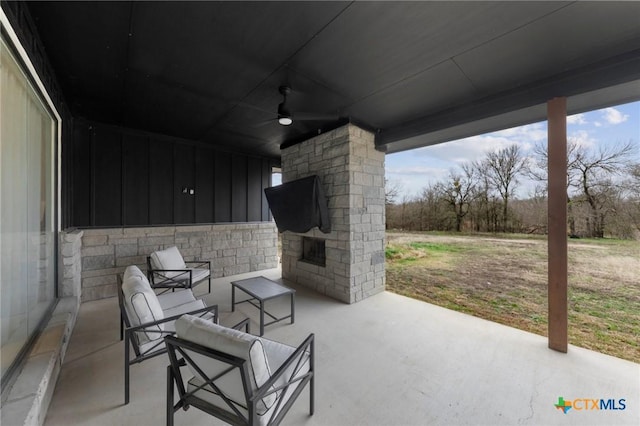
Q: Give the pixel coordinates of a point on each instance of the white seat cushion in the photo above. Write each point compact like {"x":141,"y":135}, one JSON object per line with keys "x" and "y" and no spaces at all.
{"x":168,"y":259}
{"x":175,"y":298}
{"x":199,"y":274}
{"x":232,"y":342}
{"x":184,"y":308}
{"x":142,"y":305}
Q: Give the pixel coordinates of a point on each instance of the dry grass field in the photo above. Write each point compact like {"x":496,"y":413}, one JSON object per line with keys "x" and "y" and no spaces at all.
{"x":504,"y":279}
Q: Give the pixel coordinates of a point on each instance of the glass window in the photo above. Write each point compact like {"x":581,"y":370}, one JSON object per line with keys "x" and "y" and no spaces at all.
{"x":27,"y":209}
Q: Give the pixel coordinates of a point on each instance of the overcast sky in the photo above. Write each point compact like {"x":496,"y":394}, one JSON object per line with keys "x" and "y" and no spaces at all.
{"x":415,"y":169}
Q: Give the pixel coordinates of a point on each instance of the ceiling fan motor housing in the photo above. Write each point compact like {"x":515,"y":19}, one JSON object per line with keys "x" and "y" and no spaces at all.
{"x":284,"y":115}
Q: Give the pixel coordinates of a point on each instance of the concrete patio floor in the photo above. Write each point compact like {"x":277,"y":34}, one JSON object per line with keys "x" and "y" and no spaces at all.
{"x":388,"y":360}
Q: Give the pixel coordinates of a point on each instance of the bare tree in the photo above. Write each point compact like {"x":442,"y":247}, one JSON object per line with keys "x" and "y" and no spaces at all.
{"x":432,"y":212}
{"x":503,"y":168}
{"x":458,"y":192}
{"x":632,"y":197}
{"x":590,"y":174}
{"x":405,"y":217}
{"x":538,"y":170}
{"x":594,"y":170}
{"x":483,"y":212}
{"x":391,"y":191}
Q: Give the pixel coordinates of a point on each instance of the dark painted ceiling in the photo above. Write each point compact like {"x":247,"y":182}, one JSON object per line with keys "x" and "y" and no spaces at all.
{"x":417,"y":73}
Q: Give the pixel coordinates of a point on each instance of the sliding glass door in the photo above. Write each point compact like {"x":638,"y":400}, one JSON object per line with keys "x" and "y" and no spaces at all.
{"x":27,"y":209}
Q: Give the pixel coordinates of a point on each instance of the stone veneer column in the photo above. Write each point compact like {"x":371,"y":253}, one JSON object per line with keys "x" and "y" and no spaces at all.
{"x":71,"y":260}
{"x":351,"y":171}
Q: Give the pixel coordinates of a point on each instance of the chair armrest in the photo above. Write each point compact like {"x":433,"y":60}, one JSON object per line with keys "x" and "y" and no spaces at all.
{"x":142,"y":327}
{"x":296,"y":356}
{"x":199,"y":263}
{"x":183,"y":276}
{"x":242,"y":326}
{"x":182,"y":271}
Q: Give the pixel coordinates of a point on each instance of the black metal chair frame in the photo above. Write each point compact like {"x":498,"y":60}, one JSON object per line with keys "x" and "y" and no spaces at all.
{"x":131,"y":337}
{"x":178,"y":357}
{"x":129,"y":334}
{"x":184,"y":279}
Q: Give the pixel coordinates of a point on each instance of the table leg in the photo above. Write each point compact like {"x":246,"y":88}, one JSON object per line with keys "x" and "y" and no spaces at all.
{"x":293,"y":309}
{"x":261,"y":318}
{"x":233,"y":298}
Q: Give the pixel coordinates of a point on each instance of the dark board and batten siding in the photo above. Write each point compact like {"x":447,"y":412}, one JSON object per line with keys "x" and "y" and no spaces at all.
{"x":135,"y":180}
{"x":121,"y":177}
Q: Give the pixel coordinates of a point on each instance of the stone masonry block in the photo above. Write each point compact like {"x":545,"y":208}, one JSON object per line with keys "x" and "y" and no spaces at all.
{"x":340,"y":201}
{"x":242,"y":252}
{"x":191,"y":253}
{"x":186,"y":235}
{"x":193,"y":228}
{"x":236,"y":269}
{"x":167,"y":240}
{"x":229,"y":253}
{"x":103,"y":231}
{"x":70,"y":249}
{"x":99,"y":281}
{"x":94,"y":240}
{"x":97,"y":250}
{"x":126,"y":250}
{"x":70,"y":237}
{"x":131,"y":260}
{"x":122,"y":240}
{"x":72,"y":286}
{"x":222,"y":262}
{"x":152,"y":231}
{"x":98,"y":262}
{"x":271,"y":260}
{"x":70,"y":271}
{"x":201,"y":241}
{"x":220,"y":244}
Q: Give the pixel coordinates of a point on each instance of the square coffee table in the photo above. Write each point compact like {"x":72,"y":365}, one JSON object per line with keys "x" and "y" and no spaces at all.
{"x":262,"y":289}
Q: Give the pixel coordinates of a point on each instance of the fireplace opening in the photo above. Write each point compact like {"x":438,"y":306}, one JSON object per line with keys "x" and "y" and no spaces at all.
{"x":313,"y":251}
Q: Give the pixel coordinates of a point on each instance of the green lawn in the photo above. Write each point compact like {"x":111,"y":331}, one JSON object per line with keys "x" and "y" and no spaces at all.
{"x":504,"y":279}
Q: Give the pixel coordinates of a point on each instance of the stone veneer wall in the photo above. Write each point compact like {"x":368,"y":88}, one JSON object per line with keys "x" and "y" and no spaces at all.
{"x":351,"y":171}
{"x":232,"y":248}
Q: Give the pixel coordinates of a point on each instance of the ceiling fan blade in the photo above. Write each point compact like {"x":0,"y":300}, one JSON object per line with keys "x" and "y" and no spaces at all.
{"x":254,"y":107}
{"x":264,"y":123}
{"x":312,"y":116}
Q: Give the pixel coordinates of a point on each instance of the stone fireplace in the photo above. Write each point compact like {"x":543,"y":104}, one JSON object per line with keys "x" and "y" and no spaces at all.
{"x":351,"y":172}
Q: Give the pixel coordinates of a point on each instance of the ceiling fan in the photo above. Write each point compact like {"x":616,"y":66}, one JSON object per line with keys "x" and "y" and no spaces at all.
{"x":286,"y":117}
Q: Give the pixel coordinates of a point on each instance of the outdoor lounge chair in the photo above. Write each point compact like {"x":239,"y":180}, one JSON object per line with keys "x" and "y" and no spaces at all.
{"x":146,"y":317}
{"x":237,"y":377}
{"x":167,"y":269}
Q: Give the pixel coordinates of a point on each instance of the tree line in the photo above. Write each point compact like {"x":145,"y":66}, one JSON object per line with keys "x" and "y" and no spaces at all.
{"x":603,"y":194}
